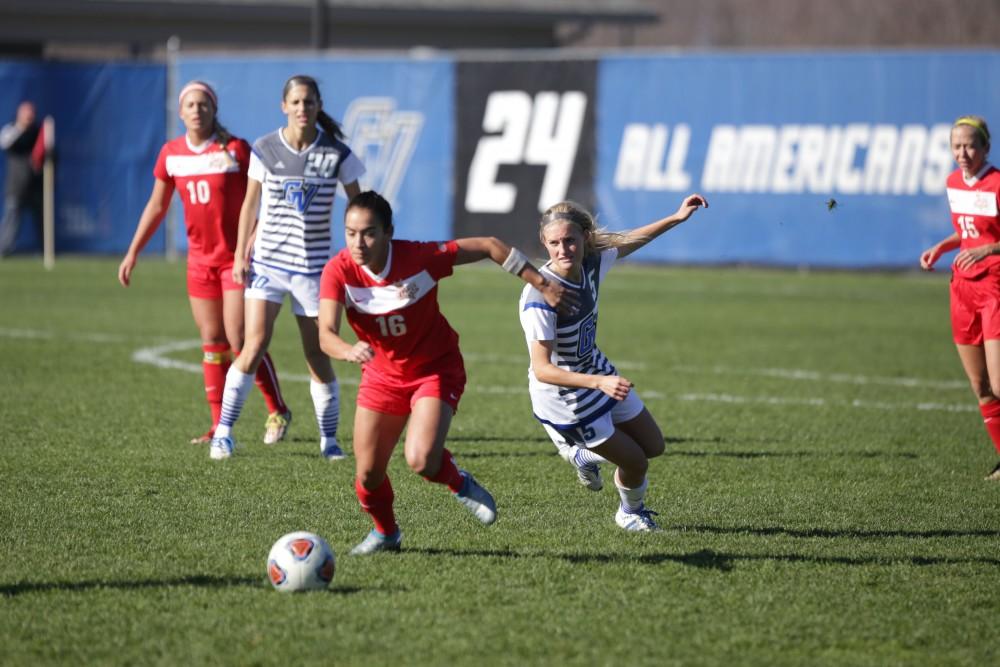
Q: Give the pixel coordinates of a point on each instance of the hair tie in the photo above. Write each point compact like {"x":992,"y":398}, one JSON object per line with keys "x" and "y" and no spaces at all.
{"x":557,"y":216}
{"x":198,"y":85}
{"x":976,"y":124}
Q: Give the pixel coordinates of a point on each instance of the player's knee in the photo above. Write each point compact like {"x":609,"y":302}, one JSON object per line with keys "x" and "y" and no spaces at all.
{"x":422,"y":463}
{"x":655,"y":448}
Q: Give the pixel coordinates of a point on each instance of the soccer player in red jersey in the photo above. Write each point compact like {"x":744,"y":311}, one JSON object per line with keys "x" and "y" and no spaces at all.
{"x":411,"y":367}
{"x":974,"y":198}
{"x":208,"y":168}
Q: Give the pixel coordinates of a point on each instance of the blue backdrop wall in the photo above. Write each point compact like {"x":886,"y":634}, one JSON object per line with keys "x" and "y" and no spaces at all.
{"x":109,"y":128}
{"x":773,"y":140}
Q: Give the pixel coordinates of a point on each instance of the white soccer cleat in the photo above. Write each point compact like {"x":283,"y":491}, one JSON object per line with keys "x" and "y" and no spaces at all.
{"x":221,"y":448}
{"x":375,"y":542}
{"x":276,"y":427}
{"x":640,"y":521}
{"x":477,"y":499}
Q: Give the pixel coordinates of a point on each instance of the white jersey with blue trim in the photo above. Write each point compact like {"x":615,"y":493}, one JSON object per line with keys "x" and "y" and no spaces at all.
{"x":297,"y":192}
{"x":574,"y":347}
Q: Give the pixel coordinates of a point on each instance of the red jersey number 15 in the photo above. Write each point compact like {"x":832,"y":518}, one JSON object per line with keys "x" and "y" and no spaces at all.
{"x":967,"y":224}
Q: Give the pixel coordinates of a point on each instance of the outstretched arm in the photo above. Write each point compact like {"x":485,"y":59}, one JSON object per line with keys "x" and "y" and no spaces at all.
{"x":642,"y":235}
{"x":149,"y":222}
{"x":514,"y":261}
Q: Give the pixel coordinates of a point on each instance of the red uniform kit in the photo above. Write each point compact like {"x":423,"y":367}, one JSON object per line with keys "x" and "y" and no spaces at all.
{"x":397,"y":313}
{"x":975,"y":291}
{"x":211,"y":183}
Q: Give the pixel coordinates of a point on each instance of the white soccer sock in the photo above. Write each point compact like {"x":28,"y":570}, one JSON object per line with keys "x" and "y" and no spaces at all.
{"x":326,"y":401}
{"x":238,"y":386}
{"x":583,"y":456}
{"x":632,"y":498}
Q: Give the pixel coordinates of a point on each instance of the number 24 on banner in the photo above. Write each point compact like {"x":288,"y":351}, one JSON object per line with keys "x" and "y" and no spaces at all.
{"x":540,"y":131}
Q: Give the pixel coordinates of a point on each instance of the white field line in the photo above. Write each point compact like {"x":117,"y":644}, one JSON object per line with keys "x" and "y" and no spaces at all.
{"x":825,"y":402}
{"x":158,"y":356}
{"x":837,"y":378}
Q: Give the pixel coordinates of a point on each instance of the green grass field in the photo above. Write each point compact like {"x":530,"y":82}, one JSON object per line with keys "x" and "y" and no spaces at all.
{"x":822,"y":495}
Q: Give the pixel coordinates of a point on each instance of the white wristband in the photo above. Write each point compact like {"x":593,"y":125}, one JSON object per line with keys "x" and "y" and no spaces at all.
{"x":515,"y":262}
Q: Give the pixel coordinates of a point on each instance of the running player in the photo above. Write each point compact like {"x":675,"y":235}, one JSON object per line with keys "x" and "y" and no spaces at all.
{"x":296,"y":168}
{"x":974,"y":198}
{"x":411,"y":367}
{"x":208,"y":168}
{"x":590,"y":412}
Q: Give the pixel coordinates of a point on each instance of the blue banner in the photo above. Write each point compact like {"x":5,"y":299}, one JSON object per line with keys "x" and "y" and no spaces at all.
{"x":109,"y":121}
{"x":397,"y":114}
{"x":821,"y":159}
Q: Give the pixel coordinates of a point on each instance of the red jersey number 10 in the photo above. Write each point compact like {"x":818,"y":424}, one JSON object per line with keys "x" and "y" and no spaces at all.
{"x":199,"y":192}
{"x":967,"y":224}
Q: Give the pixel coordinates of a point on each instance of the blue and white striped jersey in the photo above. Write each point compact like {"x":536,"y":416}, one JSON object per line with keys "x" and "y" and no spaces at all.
{"x":575,"y":347}
{"x":296,"y":199}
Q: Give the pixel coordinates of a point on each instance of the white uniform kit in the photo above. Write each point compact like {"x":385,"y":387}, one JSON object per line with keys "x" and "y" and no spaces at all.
{"x":571,"y":415}
{"x":294,"y":240}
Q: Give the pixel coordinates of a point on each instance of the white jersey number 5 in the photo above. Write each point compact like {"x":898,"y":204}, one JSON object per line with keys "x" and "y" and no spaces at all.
{"x":544,"y":131}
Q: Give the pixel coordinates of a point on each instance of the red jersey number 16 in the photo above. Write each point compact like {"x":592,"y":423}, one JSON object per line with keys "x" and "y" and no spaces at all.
{"x":392,"y":325}
{"x":968,"y":226}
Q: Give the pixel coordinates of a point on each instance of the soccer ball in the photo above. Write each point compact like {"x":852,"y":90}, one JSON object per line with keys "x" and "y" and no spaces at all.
{"x":300,"y":561}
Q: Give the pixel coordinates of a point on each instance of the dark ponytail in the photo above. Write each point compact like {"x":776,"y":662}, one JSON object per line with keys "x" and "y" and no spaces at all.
{"x":325,"y":121}
{"x":329,"y":125}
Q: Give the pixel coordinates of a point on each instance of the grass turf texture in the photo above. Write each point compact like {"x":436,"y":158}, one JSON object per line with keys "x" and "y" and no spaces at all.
{"x":829,"y":512}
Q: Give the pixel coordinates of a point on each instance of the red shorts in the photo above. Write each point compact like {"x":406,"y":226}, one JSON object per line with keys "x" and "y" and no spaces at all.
{"x":208,"y":282}
{"x":975,"y":309}
{"x":395,"y":396}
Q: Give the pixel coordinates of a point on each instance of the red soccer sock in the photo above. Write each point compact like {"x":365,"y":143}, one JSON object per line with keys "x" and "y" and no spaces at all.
{"x":448,"y":473}
{"x":991,"y":417}
{"x":267,"y":381}
{"x":378,"y":505}
{"x":214,"y":364}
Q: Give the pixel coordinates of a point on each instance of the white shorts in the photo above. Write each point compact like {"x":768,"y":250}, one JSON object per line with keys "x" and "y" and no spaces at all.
{"x":269,"y":284}
{"x":598,"y":431}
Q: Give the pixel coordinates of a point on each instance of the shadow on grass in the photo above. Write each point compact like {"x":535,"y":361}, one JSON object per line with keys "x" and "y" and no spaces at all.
{"x":708,"y":559}
{"x":196,"y":581}
{"x":793,"y":455}
{"x":836,"y":533}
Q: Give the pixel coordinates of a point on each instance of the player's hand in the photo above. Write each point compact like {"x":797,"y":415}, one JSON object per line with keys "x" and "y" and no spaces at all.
{"x":690,"y":204}
{"x":360,"y":353}
{"x":970,"y":256}
{"x":929,"y":257}
{"x":564,"y":300}
{"x":125,"y":270}
{"x":240,"y":268}
{"x":615,"y":386}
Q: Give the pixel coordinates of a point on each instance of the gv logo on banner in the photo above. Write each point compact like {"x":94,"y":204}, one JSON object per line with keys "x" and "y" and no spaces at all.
{"x":384,"y":139}
{"x":544,"y":130}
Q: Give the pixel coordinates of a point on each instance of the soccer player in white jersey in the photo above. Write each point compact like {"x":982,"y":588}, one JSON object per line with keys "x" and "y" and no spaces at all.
{"x":588,"y":409}
{"x":293,"y":177}
{"x":974,"y":198}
